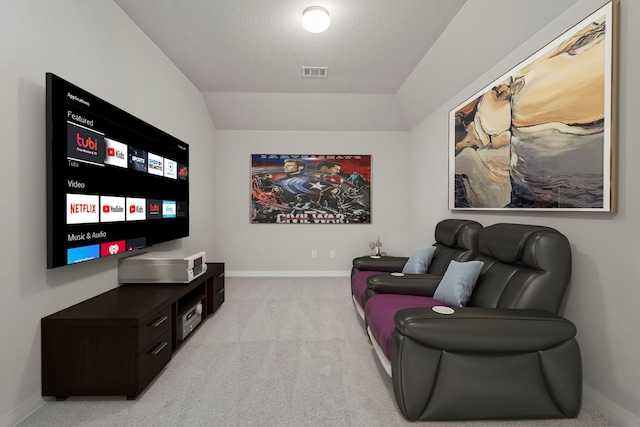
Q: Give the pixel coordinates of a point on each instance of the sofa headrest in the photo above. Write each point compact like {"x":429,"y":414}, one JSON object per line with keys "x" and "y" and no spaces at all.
{"x":459,"y":233}
{"x":519,"y":243}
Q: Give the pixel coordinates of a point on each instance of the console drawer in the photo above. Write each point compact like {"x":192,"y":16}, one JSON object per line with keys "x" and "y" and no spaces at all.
{"x":153,"y":328}
{"x":153,"y":359}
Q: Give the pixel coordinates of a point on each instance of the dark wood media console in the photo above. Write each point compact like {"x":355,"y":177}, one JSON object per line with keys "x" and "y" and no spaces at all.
{"x":117,"y":342}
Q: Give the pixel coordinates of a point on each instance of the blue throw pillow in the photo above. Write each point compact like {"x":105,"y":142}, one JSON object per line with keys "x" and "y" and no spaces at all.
{"x":419,"y":260}
{"x":458,"y":282}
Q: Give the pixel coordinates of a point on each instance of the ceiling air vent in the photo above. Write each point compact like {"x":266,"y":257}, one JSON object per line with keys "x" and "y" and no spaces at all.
{"x":314,"y":72}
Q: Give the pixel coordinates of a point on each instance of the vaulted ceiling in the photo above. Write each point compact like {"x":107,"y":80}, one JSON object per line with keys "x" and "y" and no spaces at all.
{"x":245,"y":56}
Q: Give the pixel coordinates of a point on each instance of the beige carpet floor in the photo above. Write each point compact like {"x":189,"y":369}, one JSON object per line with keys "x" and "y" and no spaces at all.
{"x":279,"y":352}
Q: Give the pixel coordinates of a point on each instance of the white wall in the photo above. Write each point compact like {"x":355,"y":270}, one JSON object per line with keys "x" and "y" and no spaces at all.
{"x":96,"y":46}
{"x":305,"y":111}
{"x":276,"y":249}
{"x":604,"y":290}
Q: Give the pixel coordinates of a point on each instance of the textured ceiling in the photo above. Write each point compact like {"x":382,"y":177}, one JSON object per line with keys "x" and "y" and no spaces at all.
{"x":391,"y":62}
{"x":260,"y":45}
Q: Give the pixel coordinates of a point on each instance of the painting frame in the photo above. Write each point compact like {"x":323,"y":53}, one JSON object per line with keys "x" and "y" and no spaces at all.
{"x":310,"y":189}
{"x":543,"y":136}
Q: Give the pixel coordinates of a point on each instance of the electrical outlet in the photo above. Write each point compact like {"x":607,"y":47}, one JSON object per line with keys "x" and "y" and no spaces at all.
{"x":314,"y":254}
{"x":332,"y":253}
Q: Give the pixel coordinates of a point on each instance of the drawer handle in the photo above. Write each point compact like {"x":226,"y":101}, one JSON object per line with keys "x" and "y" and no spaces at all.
{"x":159,"y":322}
{"x":159,"y":348}
{"x":220,"y":291}
{"x":221,"y":275}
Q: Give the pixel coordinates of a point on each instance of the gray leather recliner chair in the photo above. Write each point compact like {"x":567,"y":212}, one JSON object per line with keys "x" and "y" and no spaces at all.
{"x":507,"y":354}
{"x":455,"y":239}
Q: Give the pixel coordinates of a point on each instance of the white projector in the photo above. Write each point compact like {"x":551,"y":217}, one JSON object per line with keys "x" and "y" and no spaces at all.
{"x":161,"y":267}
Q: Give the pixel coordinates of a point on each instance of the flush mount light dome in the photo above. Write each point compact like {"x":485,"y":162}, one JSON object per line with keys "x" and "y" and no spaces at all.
{"x":315,"y":19}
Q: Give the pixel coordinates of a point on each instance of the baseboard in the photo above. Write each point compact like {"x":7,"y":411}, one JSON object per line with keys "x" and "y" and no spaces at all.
{"x":239,"y":273}
{"x":609,"y":408}
{"x":21,"y":412}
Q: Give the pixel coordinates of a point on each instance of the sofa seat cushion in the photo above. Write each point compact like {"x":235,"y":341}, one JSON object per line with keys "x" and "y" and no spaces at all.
{"x":359,"y":285}
{"x":380,"y":313}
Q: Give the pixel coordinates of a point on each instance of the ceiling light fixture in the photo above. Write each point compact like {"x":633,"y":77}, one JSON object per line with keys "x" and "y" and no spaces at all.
{"x":315,"y":19}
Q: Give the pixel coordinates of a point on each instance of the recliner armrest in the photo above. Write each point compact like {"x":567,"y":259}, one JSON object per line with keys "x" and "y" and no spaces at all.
{"x":385,"y":263}
{"x":491,"y":330}
{"x":411,"y":284}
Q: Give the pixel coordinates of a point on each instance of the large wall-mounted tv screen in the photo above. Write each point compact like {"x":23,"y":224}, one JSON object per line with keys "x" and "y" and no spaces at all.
{"x":114,"y":182}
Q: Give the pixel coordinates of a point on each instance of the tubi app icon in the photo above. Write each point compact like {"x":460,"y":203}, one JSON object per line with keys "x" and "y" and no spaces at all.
{"x":154,"y":209}
{"x":85,"y":145}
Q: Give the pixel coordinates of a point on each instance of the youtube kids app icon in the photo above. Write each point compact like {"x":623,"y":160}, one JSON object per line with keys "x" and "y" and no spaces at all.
{"x":117,"y":153}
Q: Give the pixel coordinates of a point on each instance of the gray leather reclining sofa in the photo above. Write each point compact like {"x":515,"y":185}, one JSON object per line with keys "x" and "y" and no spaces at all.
{"x":505,"y":355}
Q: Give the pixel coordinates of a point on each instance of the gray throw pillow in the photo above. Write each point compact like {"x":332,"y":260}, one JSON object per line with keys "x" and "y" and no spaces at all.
{"x":458,"y":282}
{"x":419,"y":260}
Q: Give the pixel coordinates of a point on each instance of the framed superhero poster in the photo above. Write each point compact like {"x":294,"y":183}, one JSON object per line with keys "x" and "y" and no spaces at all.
{"x":310,"y":189}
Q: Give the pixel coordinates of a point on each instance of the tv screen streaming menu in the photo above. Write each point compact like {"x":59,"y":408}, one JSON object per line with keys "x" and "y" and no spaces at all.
{"x":114,"y":182}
